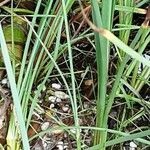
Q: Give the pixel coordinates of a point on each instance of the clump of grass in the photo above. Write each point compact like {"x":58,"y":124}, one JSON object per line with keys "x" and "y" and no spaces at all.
{"x":41,"y":59}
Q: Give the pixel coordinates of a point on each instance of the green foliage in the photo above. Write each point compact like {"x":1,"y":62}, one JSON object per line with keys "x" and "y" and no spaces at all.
{"x":37,"y":52}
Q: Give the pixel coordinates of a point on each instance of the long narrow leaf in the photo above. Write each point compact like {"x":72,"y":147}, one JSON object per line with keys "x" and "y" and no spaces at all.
{"x":14,"y":91}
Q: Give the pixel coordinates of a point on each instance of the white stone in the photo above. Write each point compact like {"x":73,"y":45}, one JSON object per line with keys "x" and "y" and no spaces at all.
{"x":86,"y":105}
{"x":52,"y":99}
{"x":61,"y":95}
{"x":60,"y":147}
{"x":45,"y":145}
{"x":65,"y":147}
{"x":45,"y":126}
{"x":133,"y":145}
{"x":58,"y":100}
{"x":52,"y":106}
{"x":4,"y":81}
{"x":57,"y":131}
{"x":65,"y":108}
{"x":65,"y":135}
{"x":56,"y":86}
{"x":141,"y":66}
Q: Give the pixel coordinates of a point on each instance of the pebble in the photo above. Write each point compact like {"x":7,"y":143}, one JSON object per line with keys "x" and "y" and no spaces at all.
{"x":61,"y":95}
{"x":65,"y":108}
{"x":45,"y":126}
{"x":89,"y":82}
{"x":65,"y":135}
{"x":141,"y":66}
{"x":65,"y":147}
{"x":86,"y":105}
{"x":58,"y":100}
{"x":44,"y":143}
{"x":37,"y":146}
{"x":133,"y":146}
{"x":52,"y":106}
{"x":60,"y":147}
{"x":4,"y":81}
{"x":56,"y":86}
{"x":52,"y":99}
{"x":57,"y":131}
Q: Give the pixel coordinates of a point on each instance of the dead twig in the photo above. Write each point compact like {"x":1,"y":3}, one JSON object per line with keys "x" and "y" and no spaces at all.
{"x":7,"y":101}
{"x":4,"y":2}
{"x":147,"y":18}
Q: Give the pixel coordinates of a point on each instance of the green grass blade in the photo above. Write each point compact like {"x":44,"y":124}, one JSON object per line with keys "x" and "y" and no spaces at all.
{"x":72,"y":76}
{"x":14,"y":91}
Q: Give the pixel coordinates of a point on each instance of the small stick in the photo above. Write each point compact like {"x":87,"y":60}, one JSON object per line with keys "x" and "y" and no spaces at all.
{"x":94,"y":27}
{"x":147,"y":18}
{"x":7,"y":101}
{"x":4,"y":2}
